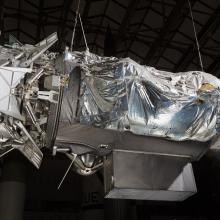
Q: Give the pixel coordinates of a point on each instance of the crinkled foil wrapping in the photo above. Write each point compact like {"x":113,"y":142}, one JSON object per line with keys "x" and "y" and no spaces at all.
{"x":123,"y":95}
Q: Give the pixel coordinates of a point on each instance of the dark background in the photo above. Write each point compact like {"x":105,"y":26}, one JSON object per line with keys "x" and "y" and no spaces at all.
{"x":157,"y":33}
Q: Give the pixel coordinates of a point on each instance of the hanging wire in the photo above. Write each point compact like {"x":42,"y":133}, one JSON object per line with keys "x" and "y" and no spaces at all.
{"x":11,"y":149}
{"x":74,"y":27}
{"x":197,"y":42}
{"x":67,"y":171}
{"x":84,"y":36}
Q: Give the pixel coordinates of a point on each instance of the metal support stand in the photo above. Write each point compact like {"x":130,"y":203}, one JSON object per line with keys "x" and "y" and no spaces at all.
{"x":119,"y":209}
{"x":93,"y":198}
{"x":12,"y":187}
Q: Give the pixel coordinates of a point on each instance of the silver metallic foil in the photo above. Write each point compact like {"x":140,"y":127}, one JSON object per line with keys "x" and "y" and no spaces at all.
{"x":26,"y":72}
{"x":123,"y":95}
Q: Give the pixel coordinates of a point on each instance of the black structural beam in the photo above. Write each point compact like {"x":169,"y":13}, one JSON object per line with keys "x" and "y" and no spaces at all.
{"x":134,"y":36}
{"x":2,"y":21}
{"x":21,"y":16}
{"x":109,"y":43}
{"x":67,"y":5}
{"x":83,"y":17}
{"x":214,"y":67}
{"x":31,"y":4}
{"x":40,"y":20}
{"x":19,"y":20}
{"x":101,"y":22}
{"x":13,"y":186}
{"x":126,"y":21}
{"x":203,"y":36}
{"x":174,"y":20}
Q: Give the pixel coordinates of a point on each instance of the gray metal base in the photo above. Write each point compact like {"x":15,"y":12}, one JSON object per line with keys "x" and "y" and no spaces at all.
{"x":12,"y":187}
{"x":134,"y":175}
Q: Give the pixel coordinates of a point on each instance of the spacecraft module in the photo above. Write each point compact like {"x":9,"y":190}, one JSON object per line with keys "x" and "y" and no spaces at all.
{"x":105,"y":112}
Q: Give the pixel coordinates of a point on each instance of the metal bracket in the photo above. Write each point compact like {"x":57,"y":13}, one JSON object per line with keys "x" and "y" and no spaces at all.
{"x":60,"y":150}
{"x":51,"y":96}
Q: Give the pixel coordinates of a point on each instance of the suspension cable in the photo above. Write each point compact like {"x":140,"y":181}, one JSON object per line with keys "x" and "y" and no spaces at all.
{"x":196,"y":38}
{"x":84,"y":36}
{"x":74,"y":27}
